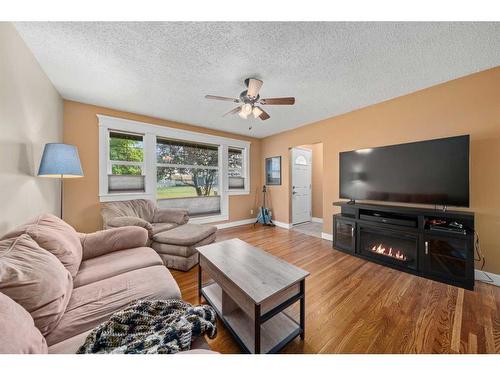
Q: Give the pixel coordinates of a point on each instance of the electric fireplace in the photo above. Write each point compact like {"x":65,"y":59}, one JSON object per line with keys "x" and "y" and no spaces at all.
{"x":427,"y":242}
{"x":389,"y":246}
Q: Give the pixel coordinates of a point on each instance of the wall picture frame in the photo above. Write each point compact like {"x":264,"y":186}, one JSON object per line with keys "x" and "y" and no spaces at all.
{"x":273,"y":170}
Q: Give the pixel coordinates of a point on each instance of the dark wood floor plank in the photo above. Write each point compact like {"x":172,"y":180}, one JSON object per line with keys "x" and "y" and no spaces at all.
{"x":355,"y":306}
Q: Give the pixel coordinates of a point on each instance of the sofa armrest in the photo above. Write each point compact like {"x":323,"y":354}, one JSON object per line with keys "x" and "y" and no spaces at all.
{"x":114,"y":239}
{"x":171,"y":215}
{"x":126,"y":221}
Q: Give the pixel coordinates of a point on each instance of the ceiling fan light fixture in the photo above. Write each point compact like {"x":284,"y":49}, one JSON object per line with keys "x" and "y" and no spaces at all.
{"x":246,"y":109}
{"x":256,"y":112}
{"x":249,"y":101}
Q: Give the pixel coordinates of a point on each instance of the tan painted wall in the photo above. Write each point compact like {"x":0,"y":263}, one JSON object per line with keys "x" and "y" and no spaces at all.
{"x":31,"y":114}
{"x":316,"y":179}
{"x":81,"y":196}
{"x":469,"y":105}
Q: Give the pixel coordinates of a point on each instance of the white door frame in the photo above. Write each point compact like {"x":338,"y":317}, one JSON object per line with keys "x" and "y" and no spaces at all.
{"x":291,"y":183}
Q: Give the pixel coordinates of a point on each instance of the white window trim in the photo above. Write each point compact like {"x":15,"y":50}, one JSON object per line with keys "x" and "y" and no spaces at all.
{"x":150,"y":132}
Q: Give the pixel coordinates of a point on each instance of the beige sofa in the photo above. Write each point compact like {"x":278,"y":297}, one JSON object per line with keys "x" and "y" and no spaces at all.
{"x":170,"y":234}
{"x":56,"y":284}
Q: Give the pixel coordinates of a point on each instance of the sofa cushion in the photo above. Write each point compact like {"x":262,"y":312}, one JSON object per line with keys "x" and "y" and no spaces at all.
{"x":110,"y":240}
{"x":71,"y":345}
{"x":127,"y":221}
{"x":94,"y":303}
{"x":177,"y":216}
{"x":162,"y":227}
{"x":35,"y":279}
{"x":18,"y":334}
{"x":185,"y":235}
{"x":56,"y":236}
{"x":115,"y":263}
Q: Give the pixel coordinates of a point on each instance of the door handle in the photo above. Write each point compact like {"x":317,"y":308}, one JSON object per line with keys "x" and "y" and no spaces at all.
{"x":352,"y":231}
{"x":426,"y":247}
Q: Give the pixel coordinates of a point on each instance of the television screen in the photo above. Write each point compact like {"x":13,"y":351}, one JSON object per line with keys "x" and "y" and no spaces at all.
{"x":430,"y":172}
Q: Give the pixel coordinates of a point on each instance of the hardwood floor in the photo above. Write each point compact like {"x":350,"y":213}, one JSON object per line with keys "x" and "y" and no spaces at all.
{"x":355,"y":306}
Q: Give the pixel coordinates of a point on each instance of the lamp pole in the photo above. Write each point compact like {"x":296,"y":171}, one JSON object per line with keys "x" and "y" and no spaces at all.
{"x":62,"y":195}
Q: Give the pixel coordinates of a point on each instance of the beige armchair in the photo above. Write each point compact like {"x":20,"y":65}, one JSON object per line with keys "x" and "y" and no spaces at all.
{"x":169,"y":232}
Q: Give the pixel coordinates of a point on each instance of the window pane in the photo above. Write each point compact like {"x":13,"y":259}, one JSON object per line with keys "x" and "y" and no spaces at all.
{"x":126,"y":147}
{"x":235,"y":162}
{"x":183,"y":153}
{"x":196,"y":206}
{"x":187,"y":177}
{"x":235,"y":173}
{"x":117,"y":169}
{"x":186,"y":182}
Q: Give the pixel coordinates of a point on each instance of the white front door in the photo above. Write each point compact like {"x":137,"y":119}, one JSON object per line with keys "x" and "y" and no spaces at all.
{"x":301,"y":185}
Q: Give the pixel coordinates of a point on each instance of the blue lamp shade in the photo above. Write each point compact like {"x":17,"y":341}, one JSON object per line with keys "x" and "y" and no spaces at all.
{"x":60,"y":160}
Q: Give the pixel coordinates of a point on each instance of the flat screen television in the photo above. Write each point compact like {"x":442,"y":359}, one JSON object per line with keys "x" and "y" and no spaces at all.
{"x":428,"y":172}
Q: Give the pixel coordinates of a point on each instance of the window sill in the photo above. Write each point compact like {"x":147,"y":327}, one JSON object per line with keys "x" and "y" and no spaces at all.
{"x":238,"y":192}
{"x":110,"y":197}
{"x":208,"y":219}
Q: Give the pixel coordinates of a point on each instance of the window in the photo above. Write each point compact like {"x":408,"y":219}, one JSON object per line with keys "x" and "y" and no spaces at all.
{"x":301,"y":160}
{"x":235,"y":169}
{"x":187,"y":175}
{"x":175,"y":167}
{"x":125,"y":163}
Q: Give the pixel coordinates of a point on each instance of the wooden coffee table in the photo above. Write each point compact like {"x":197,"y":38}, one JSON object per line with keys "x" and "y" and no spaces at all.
{"x":249,"y":290}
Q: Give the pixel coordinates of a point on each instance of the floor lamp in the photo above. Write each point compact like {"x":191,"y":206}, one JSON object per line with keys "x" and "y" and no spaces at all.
{"x":61,"y":161}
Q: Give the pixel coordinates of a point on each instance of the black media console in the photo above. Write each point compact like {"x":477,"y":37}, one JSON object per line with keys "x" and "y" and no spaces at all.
{"x":434,"y":244}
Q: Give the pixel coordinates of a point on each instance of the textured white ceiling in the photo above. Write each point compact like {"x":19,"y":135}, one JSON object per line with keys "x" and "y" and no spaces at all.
{"x":165,"y":69}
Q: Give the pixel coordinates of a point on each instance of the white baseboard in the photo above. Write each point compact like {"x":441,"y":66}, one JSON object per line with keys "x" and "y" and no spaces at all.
{"x":327,"y":236}
{"x":235,"y":223}
{"x":317,"y":219}
{"x":483,"y":276}
{"x":282,"y":225}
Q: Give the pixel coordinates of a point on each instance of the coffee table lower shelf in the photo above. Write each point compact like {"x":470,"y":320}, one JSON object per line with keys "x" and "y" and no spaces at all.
{"x":275,"y":333}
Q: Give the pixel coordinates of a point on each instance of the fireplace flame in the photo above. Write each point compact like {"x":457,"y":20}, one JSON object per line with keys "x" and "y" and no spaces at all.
{"x":388,"y":251}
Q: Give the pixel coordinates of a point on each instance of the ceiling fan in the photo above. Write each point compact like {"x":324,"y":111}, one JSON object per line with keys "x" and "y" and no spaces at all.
{"x":249,"y":100}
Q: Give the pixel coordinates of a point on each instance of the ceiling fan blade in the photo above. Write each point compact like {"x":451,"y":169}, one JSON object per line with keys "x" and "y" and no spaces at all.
{"x":254,"y":86}
{"x":224,"y":98}
{"x":264,"y":115}
{"x":232,"y":111}
{"x":277,"y":101}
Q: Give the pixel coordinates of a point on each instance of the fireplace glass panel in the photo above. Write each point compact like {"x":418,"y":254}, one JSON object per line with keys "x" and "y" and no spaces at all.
{"x":389,"y":246}
{"x":446,"y":256}
{"x":344,"y":234}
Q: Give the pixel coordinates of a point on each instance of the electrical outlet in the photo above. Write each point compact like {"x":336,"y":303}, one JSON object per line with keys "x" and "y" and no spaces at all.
{"x":251,"y":212}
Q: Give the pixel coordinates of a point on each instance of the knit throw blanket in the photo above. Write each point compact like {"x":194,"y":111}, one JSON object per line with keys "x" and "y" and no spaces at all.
{"x":152,"y":327}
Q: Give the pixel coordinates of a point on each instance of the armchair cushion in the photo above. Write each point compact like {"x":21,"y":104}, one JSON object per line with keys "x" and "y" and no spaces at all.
{"x":125,"y":221}
{"x":162,"y":227}
{"x":109,"y":240}
{"x":141,"y":208}
{"x":185,"y":235}
{"x":171,"y":215}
